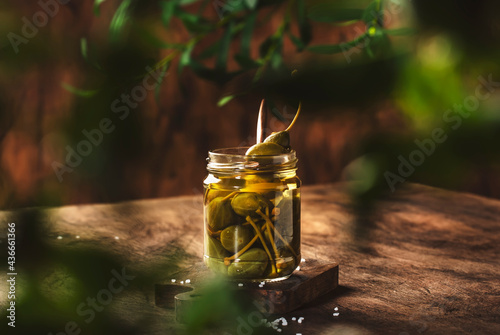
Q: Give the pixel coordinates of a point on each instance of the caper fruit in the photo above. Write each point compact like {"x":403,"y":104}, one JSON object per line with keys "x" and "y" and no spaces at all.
{"x":216,"y":254}
{"x":281,"y":138}
{"x":265,"y":149}
{"x":220,"y":214}
{"x":251,"y":264}
{"x":234,"y":238}
{"x":215,"y":249}
{"x":247,"y":204}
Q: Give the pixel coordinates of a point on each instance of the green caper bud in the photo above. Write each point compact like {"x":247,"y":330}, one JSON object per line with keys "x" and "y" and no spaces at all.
{"x":214,"y":248}
{"x":281,"y":138}
{"x":265,"y":149}
{"x":214,"y":193}
{"x":234,"y":238}
{"x":220,"y":214}
{"x":251,"y":264}
{"x":247,"y":204}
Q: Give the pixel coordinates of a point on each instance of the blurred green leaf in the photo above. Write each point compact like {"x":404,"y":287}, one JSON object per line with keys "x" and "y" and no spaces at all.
{"x":97,"y":7}
{"x":221,"y":61}
{"x":296,"y":41}
{"x":185,"y":59}
{"x":328,"y":12}
{"x":277,"y":58}
{"x":119,"y":20}
{"x":251,"y":4}
{"x":192,"y":22}
{"x":246,"y":35}
{"x":187,"y":2}
{"x":225,"y":100}
{"x":372,"y":13}
{"x":246,"y":62}
{"x":79,"y":92}
{"x":167,"y":11}
{"x":83,"y":47}
{"x":304,"y":25}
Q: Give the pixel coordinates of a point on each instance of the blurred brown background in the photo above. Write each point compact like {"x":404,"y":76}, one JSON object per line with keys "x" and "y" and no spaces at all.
{"x":159,"y":150}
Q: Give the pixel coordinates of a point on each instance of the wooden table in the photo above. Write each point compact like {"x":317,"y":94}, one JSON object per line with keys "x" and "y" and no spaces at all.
{"x":430,"y":264}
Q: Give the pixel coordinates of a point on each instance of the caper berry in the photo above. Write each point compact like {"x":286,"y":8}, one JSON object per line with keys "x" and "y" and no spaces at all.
{"x":234,"y":238}
{"x":265,"y":149}
{"x":220,"y":214}
{"x":247,"y":204}
{"x":281,"y":138}
{"x":251,"y":264}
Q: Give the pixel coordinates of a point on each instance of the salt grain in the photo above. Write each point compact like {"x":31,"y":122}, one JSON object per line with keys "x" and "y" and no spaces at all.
{"x":240,"y":284}
{"x":336,"y":309}
{"x":59,"y":237}
{"x":298,"y":268}
{"x":117,"y":238}
{"x":278,"y":330}
{"x":294,"y":318}
{"x":300,"y":319}
{"x":188,"y":281}
{"x":182,"y":281}
{"x":302,"y":260}
{"x":77,"y":236}
{"x":173,"y":280}
{"x":336,"y":314}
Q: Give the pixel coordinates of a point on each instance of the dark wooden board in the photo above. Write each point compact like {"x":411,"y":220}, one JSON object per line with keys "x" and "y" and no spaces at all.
{"x":314,"y":279}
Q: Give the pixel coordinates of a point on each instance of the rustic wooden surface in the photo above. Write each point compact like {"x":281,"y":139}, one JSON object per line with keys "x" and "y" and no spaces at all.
{"x":429,"y":266}
{"x":313,"y":279}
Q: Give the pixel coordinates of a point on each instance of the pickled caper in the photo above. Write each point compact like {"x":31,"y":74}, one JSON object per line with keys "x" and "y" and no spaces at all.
{"x":216,"y":253}
{"x":265,"y":149}
{"x":281,"y":138}
{"x":220,"y":214}
{"x":247,"y":204}
{"x":251,"y":264}
{"x":235,"y":237}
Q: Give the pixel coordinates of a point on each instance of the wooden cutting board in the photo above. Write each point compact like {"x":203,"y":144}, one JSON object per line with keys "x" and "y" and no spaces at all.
{"x":315,"y":278}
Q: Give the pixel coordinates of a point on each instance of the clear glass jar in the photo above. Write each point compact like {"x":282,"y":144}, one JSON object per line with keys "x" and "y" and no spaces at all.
{"x":252,"y":215}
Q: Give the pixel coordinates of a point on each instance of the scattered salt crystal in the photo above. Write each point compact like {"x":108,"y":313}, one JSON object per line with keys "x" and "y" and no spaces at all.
{"x":294,"y":318}
{"x":117,"y":238}
{"x":182,"y":281}
{"x":298,"y":268}
{"x":298,"y":334}
{"x":59,"y":237}
{"x":336,"y":314}
{"x":300,"y":319}
{"x":302,"y":260}
{"x":240,"y":284}
{"x":188,"y":281}
{"x":336,"y":309}
{"x":173,"y":280}
{"x":278,"y":330}
{"x":77,"y":236}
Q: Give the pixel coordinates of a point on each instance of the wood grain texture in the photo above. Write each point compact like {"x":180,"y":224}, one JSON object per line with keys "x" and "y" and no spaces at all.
{"x":313,"y":279}
{"x":430,"y":264}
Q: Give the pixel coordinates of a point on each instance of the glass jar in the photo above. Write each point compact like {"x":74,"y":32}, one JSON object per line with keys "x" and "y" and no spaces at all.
{"x":252,"y":215}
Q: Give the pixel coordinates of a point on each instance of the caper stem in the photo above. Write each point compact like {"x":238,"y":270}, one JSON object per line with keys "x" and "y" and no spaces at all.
{"x":295,"y":118}
{"x":270,"y":235}
{"x":213,"y":234}
{"x":276,"y":231}
{"x":249,"y":219}
{"x":230,"y":195}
